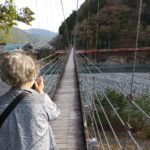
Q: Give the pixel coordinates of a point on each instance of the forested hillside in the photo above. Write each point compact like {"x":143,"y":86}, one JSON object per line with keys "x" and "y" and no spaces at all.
{"x":26,"y":36}
{"x":46,"y":34}
{"x":16,"y":36}
{"x":106,"y":24}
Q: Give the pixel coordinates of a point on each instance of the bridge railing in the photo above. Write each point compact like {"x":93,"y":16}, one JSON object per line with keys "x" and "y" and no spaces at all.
{"x":51,"y":69}
{"x":97,"y":106}
{"x":113,"y":50}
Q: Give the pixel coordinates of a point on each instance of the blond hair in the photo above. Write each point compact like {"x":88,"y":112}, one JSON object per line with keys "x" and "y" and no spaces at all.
{"x":17,"y":68}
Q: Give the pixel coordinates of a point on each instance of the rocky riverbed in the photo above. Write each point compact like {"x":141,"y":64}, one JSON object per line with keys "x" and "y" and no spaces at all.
{"x":118,"y":81}
{"x":50,"y":84}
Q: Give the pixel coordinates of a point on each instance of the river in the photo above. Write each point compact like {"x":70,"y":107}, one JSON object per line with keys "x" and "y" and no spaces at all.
{"x":12,"y":46}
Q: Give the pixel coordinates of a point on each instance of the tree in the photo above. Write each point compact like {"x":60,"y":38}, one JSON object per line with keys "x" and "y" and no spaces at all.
{"x":67,"y":33}
{"x":119,"y":102}
{"x":57,"y":43}
{"x":9,"y":14}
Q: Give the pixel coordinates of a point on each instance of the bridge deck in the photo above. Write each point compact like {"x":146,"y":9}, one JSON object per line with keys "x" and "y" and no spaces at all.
{"x":68,"y":128}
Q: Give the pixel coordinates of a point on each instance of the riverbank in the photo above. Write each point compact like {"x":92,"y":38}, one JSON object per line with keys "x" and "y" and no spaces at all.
{"x":119,"y":81}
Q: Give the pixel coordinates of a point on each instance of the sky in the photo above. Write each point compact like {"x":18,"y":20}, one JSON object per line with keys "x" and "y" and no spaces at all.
{"x":48,"y":13}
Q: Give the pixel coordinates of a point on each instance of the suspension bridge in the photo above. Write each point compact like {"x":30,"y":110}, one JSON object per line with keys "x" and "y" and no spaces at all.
{"x":80,"y":97}
{"x":80,"y":94}
{"x":99,"y":110}
{"x":74,"y":90}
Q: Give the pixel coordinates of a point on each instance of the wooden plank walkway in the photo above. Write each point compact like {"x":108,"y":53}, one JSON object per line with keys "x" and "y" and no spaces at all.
{"x":68,"y":128}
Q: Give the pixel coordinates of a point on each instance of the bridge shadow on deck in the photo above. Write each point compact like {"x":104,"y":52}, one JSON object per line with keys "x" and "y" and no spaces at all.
{"x":68,"y":128}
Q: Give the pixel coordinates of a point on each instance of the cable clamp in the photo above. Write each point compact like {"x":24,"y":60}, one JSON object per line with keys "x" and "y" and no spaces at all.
{"x":128,"y":127}
{"x":130,"y":97}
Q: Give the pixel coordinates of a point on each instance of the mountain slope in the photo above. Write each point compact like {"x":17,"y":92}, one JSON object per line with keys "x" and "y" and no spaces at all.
{"x":113,"y":25}
{"x":42,"y":33}
{"x":16,"y":36}
{"x":26,"y":36}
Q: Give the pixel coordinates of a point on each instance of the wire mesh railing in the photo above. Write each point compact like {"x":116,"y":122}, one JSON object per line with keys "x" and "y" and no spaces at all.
{"x":105,"y":121}
{"x":51,"y":69}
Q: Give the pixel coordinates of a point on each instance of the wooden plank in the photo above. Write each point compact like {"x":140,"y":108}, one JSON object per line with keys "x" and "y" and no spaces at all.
{"x":68,"y":128}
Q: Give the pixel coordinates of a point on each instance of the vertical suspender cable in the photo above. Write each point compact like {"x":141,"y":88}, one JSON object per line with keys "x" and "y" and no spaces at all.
{"x":75,"y":35}
{"x":135,"y":54}
{"x":97,"y":25}
{"x":38,"y":26}
{"x":18,"y":36}
{"x":69,"y":41}
{"x":46,"y":6}
{"x":136,"y":44}
{"x":87,"y":32}
{"x":37,"y":14}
